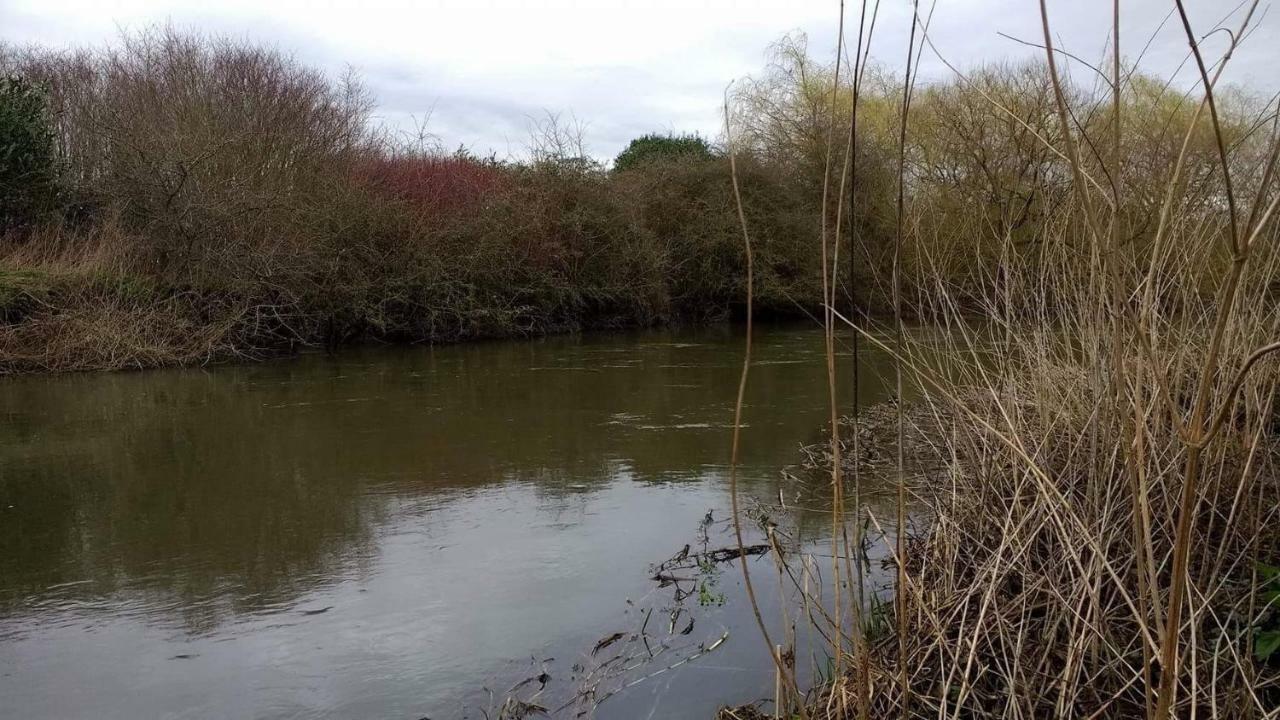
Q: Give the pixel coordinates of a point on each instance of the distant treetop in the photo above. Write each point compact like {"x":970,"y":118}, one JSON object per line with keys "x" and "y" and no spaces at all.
{"x":653,"y":145}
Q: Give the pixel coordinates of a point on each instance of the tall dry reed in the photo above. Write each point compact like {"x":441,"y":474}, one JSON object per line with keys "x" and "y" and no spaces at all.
{"x":1099,"y":519}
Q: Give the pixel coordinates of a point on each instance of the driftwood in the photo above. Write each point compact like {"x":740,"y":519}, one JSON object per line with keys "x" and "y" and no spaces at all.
{"x":685,"y":560}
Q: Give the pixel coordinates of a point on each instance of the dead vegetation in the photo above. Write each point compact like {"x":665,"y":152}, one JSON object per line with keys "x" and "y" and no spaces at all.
{"x":1103,"y":519}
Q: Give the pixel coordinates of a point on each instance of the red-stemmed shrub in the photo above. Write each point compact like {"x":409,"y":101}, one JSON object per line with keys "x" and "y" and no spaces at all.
{"x":432,"y":185}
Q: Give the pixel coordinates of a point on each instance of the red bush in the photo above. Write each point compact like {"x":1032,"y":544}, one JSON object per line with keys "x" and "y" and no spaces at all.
{"x":432,"y":185}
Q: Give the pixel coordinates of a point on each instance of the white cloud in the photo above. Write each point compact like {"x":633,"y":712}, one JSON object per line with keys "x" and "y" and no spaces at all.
{"x":623,"y":68}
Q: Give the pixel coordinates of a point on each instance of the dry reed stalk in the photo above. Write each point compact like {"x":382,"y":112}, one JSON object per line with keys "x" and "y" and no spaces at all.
{"x":828,"y":238}
{"x":788,"y":675}
{"x":860,"y":660}
{"x":1112,"y":456}
{"x":902,"y":594}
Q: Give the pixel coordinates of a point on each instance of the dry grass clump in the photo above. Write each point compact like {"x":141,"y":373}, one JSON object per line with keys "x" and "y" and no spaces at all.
{"x":1034,"y":594}
{"x":1047,"y":462}
{"x":1114,"y":505}
{"x":1100,"y":539}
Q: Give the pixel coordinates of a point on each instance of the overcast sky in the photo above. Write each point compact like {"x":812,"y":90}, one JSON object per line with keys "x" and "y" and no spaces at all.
{"x":481,"y":70}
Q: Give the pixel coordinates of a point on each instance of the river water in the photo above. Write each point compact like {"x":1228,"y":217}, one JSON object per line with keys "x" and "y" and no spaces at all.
{"x":395,"y":532}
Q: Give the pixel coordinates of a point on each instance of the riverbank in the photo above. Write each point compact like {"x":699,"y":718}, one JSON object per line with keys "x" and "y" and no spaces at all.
{"x":71,"y":320}
{"x":1028,"y":587}
{"x":546,"y":249}
{"x":148,"y":228}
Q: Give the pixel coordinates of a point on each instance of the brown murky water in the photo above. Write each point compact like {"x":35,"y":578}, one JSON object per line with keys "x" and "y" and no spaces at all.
{"x":388,"y":533}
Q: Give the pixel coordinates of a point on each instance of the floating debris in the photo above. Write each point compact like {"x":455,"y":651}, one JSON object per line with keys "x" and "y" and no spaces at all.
{"x":606,"y":642}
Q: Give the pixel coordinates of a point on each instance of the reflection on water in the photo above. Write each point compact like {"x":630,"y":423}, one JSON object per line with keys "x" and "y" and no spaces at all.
{"x":379,"y":534}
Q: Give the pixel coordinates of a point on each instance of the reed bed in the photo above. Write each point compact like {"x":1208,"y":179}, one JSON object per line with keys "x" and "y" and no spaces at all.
{"x":1101,"y":525}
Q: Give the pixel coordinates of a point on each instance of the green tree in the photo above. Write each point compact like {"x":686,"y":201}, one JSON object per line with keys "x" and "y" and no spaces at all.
{"x":649,"y":147}
{"x":28,"y":153}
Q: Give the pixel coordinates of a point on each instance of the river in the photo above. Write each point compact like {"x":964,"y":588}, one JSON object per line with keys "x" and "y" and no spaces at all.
{"x":393,"y":532}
